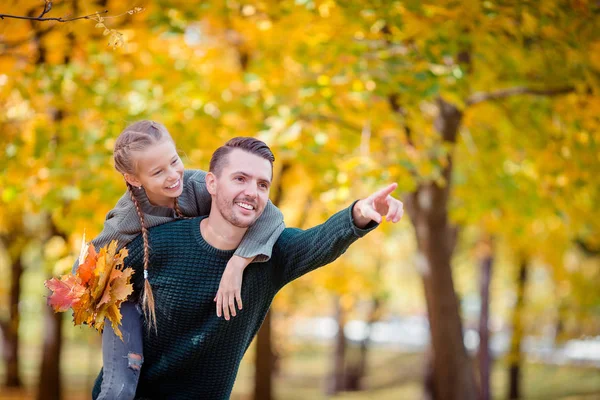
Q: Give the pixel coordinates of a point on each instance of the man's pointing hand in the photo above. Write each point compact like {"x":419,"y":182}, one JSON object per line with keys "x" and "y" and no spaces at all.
{"x":376,"y":206}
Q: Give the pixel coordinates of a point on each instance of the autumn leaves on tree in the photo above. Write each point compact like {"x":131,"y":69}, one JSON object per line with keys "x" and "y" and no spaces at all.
{"x":483,"y":112}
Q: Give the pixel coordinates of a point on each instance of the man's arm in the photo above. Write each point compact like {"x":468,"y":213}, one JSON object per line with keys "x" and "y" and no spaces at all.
{"x":299,"y":252}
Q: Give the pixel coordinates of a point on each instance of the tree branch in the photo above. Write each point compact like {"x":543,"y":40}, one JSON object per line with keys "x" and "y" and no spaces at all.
{"x":330,"y":119}
{"x":59,"y":19}
{"x":480,"y":97}
{"x":47,"y":8}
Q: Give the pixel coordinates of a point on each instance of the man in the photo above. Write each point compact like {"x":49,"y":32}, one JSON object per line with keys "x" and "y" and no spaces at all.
{"x":195,"y":354}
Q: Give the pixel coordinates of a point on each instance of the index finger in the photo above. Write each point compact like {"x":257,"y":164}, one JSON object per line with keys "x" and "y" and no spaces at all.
{"x":382,"y":193}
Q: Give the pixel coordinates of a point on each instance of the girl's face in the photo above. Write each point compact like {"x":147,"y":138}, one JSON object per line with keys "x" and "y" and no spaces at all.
{"x":159,"y":171}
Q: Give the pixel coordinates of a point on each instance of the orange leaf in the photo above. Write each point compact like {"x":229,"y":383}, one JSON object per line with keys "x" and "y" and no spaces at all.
{"x":65,"y":292}
{"x":86,"y":269}
{"x":104,"y":266}
{"x":81,"y":312}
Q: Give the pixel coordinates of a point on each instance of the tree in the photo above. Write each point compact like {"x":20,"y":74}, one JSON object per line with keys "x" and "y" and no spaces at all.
{"x":13,"y":242}
{"x":422,"y":85}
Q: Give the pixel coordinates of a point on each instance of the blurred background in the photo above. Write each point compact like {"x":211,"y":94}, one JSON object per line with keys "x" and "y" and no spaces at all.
{"x":486,"y":113}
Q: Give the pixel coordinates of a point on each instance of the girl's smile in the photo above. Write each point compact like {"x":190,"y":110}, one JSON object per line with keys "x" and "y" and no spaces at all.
{"x":159,"y":171}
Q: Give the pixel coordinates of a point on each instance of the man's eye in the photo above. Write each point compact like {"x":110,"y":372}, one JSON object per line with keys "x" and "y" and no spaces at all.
{"x":239,"y":179}
{"x":174,"y":162}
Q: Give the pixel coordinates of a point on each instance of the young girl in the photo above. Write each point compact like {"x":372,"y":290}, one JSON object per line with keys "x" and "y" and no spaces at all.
{"x":159,"y":190}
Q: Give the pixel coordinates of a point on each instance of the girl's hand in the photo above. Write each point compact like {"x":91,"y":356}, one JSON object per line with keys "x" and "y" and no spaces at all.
{"x":230,"y":288}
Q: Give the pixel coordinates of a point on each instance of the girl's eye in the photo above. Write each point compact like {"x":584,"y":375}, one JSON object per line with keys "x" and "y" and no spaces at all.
{"x":156,"y":173}
{"x":175,"y":161}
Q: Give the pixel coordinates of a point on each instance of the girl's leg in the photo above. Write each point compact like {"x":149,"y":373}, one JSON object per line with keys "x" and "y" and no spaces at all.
{"x":122,"y":359}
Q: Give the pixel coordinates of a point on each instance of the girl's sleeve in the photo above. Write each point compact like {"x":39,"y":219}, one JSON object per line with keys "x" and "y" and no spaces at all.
{"x":260,"y":238}
{"x":121,"y":224}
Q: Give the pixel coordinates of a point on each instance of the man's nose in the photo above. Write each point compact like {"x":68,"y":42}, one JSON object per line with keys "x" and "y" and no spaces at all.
{"x":251,"y":190}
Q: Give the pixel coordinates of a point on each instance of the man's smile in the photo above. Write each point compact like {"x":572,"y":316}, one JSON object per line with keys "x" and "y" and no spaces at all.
{"x":245,"y":206}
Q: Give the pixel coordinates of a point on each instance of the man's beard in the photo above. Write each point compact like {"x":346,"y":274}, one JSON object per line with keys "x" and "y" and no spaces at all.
{"x":226,"y":209}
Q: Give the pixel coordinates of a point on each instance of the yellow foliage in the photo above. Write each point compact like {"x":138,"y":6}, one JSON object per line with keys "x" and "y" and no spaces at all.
{"x":309,"y":82}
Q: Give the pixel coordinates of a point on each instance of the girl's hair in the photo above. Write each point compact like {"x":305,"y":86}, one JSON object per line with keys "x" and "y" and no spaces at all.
{"x":137,"y":137}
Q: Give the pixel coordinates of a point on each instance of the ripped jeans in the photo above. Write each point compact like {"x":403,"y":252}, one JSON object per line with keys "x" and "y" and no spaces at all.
{"x":122,"y":359}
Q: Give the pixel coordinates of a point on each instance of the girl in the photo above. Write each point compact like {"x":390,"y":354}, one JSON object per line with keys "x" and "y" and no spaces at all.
{"x":159,"y":190}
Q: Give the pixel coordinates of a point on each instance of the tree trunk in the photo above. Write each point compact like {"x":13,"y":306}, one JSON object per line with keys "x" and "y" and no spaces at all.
{"x":428,"y":376}
{"x":263,"y":382}
{"x":356,"y":371}
{"x":364,"y":345}
{"x":336,"y":380}
{"x":487,"y":261}
{"x":10,"y":329}
{"x":50,"y":383}
{"x":515,"y":356}
{"x":453,"y":377}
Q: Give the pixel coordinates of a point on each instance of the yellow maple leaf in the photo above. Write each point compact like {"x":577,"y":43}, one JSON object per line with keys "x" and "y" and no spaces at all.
{"x":113,"y":313}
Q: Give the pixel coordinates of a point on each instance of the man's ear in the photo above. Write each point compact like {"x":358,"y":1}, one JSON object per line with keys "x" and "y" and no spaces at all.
{"x":132,"y":180}
{"x":211,"y":183}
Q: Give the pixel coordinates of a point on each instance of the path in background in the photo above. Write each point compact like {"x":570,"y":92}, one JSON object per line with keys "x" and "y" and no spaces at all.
{"x":392,"y":375}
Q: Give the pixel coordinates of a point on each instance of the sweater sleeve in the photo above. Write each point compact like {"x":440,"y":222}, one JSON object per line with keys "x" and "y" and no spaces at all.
{"x":298,"y":251}
{"x":260,"y":238}
{"x":121,"y":224}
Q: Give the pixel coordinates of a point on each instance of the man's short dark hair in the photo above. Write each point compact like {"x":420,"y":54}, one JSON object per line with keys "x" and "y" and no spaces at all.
{"x":251,"y":145}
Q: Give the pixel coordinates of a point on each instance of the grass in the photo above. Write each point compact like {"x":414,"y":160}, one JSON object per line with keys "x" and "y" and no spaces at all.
{"x":302,"y":375}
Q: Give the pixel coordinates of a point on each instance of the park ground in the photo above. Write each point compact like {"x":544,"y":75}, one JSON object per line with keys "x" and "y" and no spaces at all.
{"x":392,"y":375}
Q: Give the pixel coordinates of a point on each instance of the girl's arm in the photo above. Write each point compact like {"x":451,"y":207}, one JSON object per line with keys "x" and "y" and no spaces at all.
{"x":230,"y":288}
{"x":122,"y":223}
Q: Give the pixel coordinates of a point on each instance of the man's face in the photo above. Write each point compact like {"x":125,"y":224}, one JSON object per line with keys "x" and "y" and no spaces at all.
{"x":242,"y":188}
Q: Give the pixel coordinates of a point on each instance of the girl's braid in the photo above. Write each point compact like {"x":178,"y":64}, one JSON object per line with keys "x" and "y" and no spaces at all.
{"x":178,"y":211}
{"x":148,"y":296}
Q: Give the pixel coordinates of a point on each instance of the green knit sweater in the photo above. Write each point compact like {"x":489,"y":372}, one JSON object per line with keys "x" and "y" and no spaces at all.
{"x":195,"y":354}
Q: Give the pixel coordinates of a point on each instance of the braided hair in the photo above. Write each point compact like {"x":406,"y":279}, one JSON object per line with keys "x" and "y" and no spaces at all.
{"x":137,"y":137}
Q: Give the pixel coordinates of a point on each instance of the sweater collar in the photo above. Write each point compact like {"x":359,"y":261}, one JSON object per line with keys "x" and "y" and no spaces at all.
{"x":204,"y":245}
{"x":149,"y":208}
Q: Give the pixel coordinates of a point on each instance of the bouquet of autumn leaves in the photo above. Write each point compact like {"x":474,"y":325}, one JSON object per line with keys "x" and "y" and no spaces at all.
{"x":96,"y":290}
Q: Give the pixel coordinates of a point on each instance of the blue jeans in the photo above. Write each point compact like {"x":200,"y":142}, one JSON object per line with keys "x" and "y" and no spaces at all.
{"x":122,"y":359}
